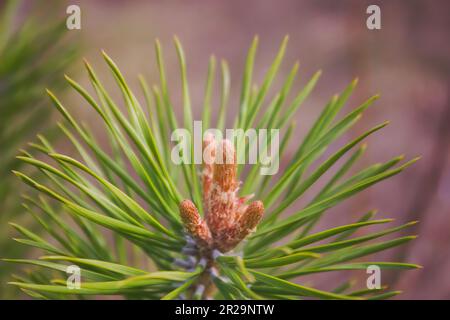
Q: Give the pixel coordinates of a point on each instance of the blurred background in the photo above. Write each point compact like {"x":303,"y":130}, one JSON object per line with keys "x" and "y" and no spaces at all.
{"x":407,"y":62}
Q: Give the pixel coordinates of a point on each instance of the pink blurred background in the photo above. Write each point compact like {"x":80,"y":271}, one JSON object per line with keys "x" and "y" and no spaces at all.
{"x":407,"y":62}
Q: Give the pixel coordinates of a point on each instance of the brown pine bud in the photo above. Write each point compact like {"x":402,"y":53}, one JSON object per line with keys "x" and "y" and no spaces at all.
{"x":250,"y":219}
{"x":228,"y":219}
{"x":225,"y":168}
{"x":194,"y":223}
{"x":223,"y":201}
{"x":246,"y":223}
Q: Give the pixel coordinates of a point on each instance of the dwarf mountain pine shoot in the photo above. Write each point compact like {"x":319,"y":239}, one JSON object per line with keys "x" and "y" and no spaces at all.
{"x":142,"y":227}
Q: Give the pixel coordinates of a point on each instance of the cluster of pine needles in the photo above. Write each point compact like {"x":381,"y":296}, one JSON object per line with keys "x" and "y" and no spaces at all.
{"x":113,"y":210}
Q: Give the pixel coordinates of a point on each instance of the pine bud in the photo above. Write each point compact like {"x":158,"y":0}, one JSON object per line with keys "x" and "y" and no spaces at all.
{"x":250,"y":219}
{"x":225,"y":168}
{"x":194,"y":223}
{"x":241,"y":228}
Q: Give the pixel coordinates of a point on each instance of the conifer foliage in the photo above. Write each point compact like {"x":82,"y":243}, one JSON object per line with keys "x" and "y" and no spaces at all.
{"x":140,"y":226}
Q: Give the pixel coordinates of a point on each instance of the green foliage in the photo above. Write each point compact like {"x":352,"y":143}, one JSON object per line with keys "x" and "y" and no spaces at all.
{"x":32,"y":55}
{"x":119,"y":219}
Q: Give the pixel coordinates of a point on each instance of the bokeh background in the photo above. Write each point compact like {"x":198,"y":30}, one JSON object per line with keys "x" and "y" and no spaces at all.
{"x":407,"y":62}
